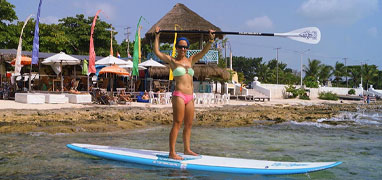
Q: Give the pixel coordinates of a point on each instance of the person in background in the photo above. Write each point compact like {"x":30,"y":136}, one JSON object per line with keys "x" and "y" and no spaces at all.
{"x":182,"y":101}
{"x":145,"y":96}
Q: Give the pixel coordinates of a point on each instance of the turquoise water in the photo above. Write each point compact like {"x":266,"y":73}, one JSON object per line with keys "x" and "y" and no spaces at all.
{"x":356,"y":141}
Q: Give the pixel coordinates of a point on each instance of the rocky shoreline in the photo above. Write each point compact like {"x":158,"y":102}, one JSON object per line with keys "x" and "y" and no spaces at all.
{"x":109,"y":119}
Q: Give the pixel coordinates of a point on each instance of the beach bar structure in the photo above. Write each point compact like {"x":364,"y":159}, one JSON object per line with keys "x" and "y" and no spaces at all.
{"x":184,"y":18}
{"x":40,"y":73}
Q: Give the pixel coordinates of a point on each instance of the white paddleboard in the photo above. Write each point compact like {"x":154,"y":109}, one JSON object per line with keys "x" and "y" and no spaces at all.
{"x":202,"y":162}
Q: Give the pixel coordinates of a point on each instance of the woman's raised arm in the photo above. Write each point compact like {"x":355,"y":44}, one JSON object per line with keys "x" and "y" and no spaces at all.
{"x":205,"y":49}
{"x":164,"y":57}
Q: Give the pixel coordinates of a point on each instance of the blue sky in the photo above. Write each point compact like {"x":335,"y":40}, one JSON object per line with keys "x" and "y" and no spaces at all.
{"x":350,"y":28}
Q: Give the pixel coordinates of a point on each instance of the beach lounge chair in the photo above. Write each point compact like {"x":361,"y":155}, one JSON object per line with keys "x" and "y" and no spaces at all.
{"x":124,"y":98}
{"x":139,"y":98}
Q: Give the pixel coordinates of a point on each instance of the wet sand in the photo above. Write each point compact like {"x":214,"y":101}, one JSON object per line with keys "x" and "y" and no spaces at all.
{"x":73,"y":118}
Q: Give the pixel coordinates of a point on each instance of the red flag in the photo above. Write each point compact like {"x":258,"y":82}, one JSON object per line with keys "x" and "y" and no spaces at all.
{"x":92,"y":54}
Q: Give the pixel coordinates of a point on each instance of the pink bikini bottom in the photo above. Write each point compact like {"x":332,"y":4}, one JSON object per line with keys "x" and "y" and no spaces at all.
{"x":186,"y":97}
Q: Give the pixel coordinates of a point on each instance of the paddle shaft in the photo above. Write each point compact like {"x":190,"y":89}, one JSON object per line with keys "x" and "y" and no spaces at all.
{"x":220,"y":32}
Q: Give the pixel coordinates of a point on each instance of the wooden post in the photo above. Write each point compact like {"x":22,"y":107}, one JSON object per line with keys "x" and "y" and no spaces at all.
{"x":201,"y":41}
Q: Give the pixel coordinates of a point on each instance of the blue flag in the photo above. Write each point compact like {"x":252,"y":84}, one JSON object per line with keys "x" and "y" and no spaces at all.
{"x":36,"y":44}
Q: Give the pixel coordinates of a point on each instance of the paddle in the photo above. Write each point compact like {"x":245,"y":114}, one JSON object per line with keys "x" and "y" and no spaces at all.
{"x":311,"y":35}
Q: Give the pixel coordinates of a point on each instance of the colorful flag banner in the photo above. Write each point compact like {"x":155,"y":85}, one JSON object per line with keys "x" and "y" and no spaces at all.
{"x":19,"y":48}
{"x":85,"y":67}
{"x":92,"y":54}
{"x":139,"y":44}
{"x":171,"y":76}
{"x":136,"y":50}
{"x":36,"y":39}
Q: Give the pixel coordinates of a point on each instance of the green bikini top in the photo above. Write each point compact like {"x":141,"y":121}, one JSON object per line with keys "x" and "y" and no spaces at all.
{"x":180,"y":71}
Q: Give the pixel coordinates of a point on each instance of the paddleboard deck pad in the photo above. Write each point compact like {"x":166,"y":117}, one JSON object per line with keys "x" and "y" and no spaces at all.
{"x":202,"y":162}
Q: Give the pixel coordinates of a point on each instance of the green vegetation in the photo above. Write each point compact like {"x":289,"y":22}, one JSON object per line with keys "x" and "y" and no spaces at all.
{"x":310,"y":82}
{"x":351,"y":92}
{"x":293,"y":92}
{"x":328,"y":96}
{"x":304,"y":97}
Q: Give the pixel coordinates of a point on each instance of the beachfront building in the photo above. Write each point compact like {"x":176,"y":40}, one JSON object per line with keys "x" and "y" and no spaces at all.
{"x":181,"y":17}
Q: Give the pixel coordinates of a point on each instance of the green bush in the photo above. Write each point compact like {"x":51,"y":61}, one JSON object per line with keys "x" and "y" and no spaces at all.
{"x":311,"y":82}
{"x":304,"y":97}
{"x":328,"y":96}
{"x":296,"y":92}
{"x":292,"y":90}
{"x":351,"y":91}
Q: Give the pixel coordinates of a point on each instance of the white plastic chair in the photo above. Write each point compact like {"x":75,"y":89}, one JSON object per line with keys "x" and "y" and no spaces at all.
{"x":225,"y":98}
{"x":206,"y":98}
{"x":198,"y":98}
{"x":218,"y":99}
{"x":210,"y":98}
{"x":153,"y":99}
{"x":167,"y":97}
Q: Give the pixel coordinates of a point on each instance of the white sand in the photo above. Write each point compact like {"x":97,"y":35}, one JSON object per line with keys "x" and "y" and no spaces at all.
{"x":10,"y":104}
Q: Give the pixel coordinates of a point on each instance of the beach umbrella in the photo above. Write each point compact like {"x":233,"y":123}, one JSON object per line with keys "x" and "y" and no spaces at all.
{"x":24,"y":61}
{"x":151,"y":63}
{"x":110,"y":60}
{"x":116,"y":70}
{"x":61,"y":59}
{"x":130,"y":66}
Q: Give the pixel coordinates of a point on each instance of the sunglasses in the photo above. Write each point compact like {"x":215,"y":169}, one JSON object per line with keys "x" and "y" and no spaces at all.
{"x":181,"y":47}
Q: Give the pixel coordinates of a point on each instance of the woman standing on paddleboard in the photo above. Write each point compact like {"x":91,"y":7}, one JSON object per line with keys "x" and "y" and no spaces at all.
{"x":182,"y":99}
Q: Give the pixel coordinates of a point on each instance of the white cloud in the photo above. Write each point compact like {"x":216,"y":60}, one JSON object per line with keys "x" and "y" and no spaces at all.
{"x":260,"y":23}
{"x":49,"y":20}
{"x":373,"y":32}
{"x":338,"y":11}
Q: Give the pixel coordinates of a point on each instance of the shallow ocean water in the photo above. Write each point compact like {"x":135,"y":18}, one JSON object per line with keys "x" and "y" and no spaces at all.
{"x":357,"y":143}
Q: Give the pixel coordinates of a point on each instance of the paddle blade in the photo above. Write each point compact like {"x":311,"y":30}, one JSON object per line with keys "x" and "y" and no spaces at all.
{"x":311,"y":35}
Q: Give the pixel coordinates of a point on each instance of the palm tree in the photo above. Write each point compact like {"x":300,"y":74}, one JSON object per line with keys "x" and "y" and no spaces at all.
{"x":355,"y":74}
{"x":264,"y":73}
{"x":338,"y":72}
{"x":313,"y":68}
{"x":369,"y":73}
{"x":325,"y":73}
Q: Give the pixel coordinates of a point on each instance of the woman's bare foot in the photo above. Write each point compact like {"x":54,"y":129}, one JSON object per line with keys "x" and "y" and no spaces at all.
{"x":189,"y":152}
{"x":175,"y":156}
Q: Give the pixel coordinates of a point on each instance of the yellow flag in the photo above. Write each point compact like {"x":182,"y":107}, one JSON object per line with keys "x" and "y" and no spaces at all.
{"x":171,"y":76}
{"x":139,"y":44}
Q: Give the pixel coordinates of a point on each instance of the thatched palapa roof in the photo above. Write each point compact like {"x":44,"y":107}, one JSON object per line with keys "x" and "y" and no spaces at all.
{"x":187,"y":20}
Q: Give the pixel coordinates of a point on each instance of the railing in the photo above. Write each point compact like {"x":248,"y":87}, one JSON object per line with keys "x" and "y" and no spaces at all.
{"x":212,"y":56}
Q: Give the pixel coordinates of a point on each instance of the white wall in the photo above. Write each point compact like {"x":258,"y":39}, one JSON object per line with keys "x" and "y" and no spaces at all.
{"x":339,"y":90}
{"x":277,"y":91}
